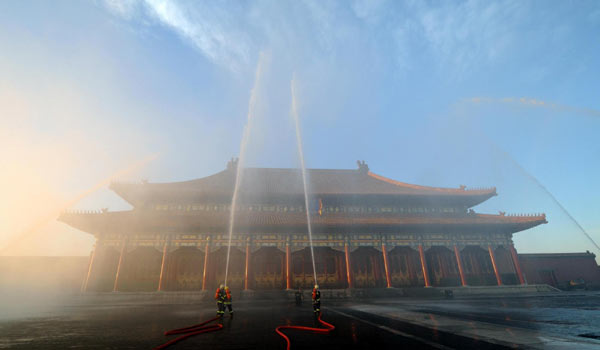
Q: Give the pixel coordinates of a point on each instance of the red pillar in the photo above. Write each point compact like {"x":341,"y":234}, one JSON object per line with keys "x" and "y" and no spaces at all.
{"x":90,"y":267}
{"x":463,"y":281}
{"x":116,"y":285}
{"x":386,"y":265}
{"x":339,"y":261}
{"x":493,"y":258}
{"x":424,"y":266}
{"x":162,"y":267}
{"x":247,"y":271}
{"x":288,"y":267}
{"x":348,"y":266}
{"x":283,"y":269}
{"x":515,"y":259}
{"x":206,"y":254}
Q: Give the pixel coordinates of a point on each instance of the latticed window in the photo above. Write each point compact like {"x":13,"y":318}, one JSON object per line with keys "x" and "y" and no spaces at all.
{"x":320,"y":266}
{"x":307,"y":266}
{"x":330,"y":265}
{"x":403,"y":264}
{"x":297,"y":265}
{"x":273,"y":264}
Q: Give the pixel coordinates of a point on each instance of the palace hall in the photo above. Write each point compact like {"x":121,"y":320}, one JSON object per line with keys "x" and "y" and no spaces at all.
{"x":369,"y":231}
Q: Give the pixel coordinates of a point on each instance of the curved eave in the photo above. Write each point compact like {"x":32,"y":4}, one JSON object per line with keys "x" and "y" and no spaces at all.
{"x":462,"y":191}
{"x":275,"y":182}
{"x":256,"y":221}
{"x":136,"y":194}
{"x":129,"y":192}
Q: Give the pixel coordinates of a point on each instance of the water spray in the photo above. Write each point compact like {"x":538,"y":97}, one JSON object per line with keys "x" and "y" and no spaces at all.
{"x":543,"y":188}
{"x":540,"y":104}
{"x":303,"y":168}
{"x":532,"y":102}
{"x":242,"y":158}
{"x":55,"y":212}
{"x":328,"y":327}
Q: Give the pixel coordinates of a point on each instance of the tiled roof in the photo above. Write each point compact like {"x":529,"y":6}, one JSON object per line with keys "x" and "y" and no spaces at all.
{"x":278,"y":182}
{"x":257,"y":221}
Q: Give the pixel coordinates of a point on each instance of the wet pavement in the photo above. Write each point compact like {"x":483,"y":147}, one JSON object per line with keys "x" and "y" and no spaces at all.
{"x":568,"y":314}
{"x":539,"y":321}
{"x":142,"y":327}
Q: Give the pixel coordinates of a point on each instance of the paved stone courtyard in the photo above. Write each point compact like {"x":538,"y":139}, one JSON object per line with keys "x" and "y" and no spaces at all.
{"x":129,"y":321}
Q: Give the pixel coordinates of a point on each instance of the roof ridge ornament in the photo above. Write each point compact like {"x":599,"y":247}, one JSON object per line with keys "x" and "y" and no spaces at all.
{"x":232,"y":164}
{"x":363,"y":168}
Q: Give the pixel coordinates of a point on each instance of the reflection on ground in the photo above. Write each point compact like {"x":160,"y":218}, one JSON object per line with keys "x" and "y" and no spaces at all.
{"x":539,"y":321}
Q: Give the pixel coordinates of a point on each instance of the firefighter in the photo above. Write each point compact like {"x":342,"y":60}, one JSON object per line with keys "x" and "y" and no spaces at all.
{"x":220,"y":297}
{"x":316,"y":300}
{"x":227,"y":301}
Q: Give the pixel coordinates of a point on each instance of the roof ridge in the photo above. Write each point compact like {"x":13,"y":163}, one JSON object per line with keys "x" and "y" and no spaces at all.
{"x":461,"y":189}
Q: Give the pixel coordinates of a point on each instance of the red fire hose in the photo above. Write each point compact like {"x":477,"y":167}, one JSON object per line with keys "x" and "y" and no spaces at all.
{"x":327,"y":330}
{"x":190,"y":332}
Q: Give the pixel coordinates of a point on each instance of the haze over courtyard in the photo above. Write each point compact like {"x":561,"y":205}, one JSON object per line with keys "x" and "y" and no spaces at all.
{"x":428,"y":169}
{"x":417,"y":90}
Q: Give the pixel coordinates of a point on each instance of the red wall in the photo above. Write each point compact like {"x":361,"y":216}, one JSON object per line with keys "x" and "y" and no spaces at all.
{"x":560,"y":268}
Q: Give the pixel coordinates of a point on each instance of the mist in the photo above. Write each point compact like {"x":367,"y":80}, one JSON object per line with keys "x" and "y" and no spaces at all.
{"x":176,"y":81}
{"x":98,"y":96}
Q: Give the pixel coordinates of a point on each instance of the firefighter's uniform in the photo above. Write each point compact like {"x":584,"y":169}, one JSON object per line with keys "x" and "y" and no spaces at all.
{"x":220,"y":297}
{"x":227,"y":302}
{"x":316,"y":300}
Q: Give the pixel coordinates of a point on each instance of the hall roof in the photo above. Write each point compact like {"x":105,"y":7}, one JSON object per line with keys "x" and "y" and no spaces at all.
{"x":253,"y":221}
{"x":272,"y":182}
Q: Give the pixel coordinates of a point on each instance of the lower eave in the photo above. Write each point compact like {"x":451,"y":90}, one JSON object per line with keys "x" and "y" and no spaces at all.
{"x":159,"y":222}
{"x":585,"y":255}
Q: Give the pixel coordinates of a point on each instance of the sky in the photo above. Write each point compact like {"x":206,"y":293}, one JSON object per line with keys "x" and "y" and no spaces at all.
{"x":475,"y":93}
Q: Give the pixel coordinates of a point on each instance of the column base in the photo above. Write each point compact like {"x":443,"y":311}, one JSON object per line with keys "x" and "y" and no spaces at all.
{"x":248,"y":293}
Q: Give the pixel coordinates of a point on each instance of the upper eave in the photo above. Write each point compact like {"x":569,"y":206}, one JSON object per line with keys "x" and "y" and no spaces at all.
{"x":273,"y":182}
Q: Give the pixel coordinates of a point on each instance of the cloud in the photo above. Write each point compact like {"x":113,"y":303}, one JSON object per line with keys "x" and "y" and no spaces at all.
{"x":209,"y":27}
{"x":124,"y":8}
{"x":532,"y":102}
{"x":456,"y":36}
{"x":471,"y":33}
{"x":368,"y":9}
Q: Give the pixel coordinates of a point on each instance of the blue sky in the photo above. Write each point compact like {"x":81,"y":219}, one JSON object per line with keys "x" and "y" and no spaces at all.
{"x":434,"y":93}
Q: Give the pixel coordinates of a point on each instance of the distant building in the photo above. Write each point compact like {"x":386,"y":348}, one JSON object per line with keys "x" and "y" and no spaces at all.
{"x":562,"y":270}
{"x":368,"y":231}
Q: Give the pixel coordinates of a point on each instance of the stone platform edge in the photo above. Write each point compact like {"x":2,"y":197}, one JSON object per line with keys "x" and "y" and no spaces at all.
{"x":331,"y":294}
